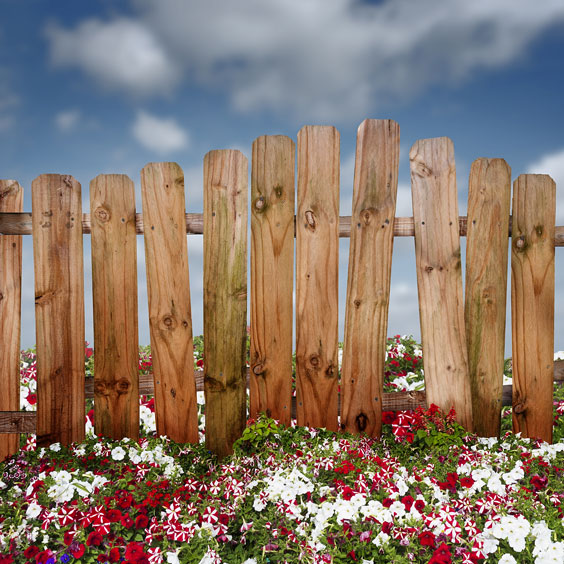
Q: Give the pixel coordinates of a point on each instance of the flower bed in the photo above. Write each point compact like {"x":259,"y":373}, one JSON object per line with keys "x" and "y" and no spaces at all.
{"x":425,"y":492}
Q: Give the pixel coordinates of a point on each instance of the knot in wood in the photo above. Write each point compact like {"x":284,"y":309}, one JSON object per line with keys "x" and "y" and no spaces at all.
{"x":259,"y":203}
{"x":519,"y":408}
{"x":520,"y":243}
{"x":258,"y":368}
{"x":1,"y":296}
{"x":100,"y":389}
{"x":169,"y":322}
{"x":278,"y":191}
{"x":102,"y":214}
{"x":357,"y":303}
{"x":330,"y":371}
{"x":122,"y":386}
{"x":366,"y":216}
{"x":361,"y":422}
{"x":310,"y":220}
{"x":314,"y":360}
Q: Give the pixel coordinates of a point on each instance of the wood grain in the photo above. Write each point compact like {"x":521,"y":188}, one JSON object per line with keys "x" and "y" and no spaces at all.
{"x":489,"y":201}
{"x":532,"y":304}
{"x":11,"y":200}
{"x":114,"y":293}
{"x":168,"y":291}
{"x":225,"y":297}
{"x":59,"y":308}
{"x":439,"y":276}
{"x":272,"y":272}
{"x":370,"y":267}
{"x":317,"y":265}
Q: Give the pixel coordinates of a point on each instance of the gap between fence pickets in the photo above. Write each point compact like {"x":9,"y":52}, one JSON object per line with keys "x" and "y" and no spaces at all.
{"x":24,"y":421}
{"x":19,"y":223}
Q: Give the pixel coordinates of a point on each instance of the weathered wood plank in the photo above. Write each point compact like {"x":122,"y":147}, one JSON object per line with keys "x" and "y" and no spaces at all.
{"x":439,"y":276}
{"x":317,"y":265}
{"x":225,"y":297}
{"x":272,"y":272}
{"x":168,"y":291}
{"x":114,"y":293}
{"x":532,"y":304}
{"x":370,"y":268}
{"x":11,"y":200}
{"x":59,"y":308}
{"x":19,"y":223}
{"x":489,"y":201}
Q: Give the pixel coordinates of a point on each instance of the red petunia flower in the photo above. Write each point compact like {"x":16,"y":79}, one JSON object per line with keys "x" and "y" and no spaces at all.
{"x":95,"y":538}
{"x":31,"y":551}
{"x":427,"y":538}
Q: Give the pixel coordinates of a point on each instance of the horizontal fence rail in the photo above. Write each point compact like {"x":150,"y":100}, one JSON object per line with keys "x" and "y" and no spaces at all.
{"x":462,"y":333}
{"x":25,"y":421}
{"x":19,"y":223}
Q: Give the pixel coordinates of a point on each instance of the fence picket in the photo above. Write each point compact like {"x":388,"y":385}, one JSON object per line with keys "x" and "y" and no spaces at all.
{"x":225,"y":297}
{"x":368,"y":286}
{"x":272,"y":271}
{"x":439,"y":276}
{"x":168,"y":291}
{"x":11,"y":200}
{"x":59,"y":308}
{"x":114,"y":293}
{"x":317,"y":264}
{"x":532,"y":304}
{"x":489,"y":200}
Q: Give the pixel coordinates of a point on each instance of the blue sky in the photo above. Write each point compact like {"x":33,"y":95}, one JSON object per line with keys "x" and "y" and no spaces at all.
{"x":105,"y":87}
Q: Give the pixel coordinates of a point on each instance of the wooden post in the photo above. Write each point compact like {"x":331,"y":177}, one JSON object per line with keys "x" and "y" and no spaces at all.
{"x":439,"y":277}
{"x":168,"y":291}
{"x":532,"y":304}
{"x":225,"y":297}
{"x":370,"y":264}
{"x":59,"y":308}
{"x":317,"y":270}
{"x":489,"y":200}
{"x":114,"y":293}
{"x":11,"y":200}
{"x":272,"y":272}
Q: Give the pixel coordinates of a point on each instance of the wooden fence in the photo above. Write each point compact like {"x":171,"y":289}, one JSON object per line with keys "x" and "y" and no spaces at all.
{"x":462,"y":336}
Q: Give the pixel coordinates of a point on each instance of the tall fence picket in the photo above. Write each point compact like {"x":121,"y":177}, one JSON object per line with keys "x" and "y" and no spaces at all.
{"x":439,"y":276}
{"x":317,"y":265}
{"x":168,"y":291}
{"x":114,"y":293}
{"x":368,"y":286}
{"x":272,"y":271}
{"x":225,"y":297}
{"x":532,"y":304}
{"x":59,"y":308}
{"x":489,"y":200}
{"x":11,"y":200}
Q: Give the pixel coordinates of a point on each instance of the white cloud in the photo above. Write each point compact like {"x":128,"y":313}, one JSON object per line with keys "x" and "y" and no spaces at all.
{"x":159,"y":135}
{"x":67,"y":120}
{"x":312,"y":59}
{"x":317,"y":59}
{"x":553,"y":165}
{"x":120,"y":55}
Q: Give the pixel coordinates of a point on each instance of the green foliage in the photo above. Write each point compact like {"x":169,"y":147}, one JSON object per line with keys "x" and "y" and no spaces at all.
{"x":256,"y":434}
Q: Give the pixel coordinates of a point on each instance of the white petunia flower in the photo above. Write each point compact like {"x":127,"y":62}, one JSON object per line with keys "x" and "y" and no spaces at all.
{"x":507,"y":559}
{"x":118,"y":453}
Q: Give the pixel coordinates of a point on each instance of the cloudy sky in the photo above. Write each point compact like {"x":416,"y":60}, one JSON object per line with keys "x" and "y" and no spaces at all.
{"x":107,"y":86}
